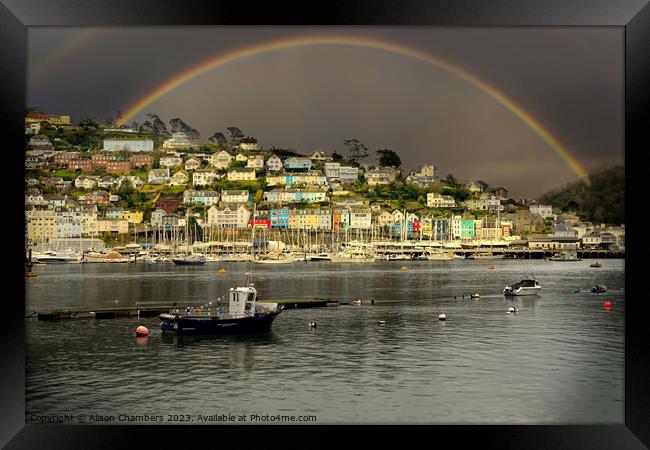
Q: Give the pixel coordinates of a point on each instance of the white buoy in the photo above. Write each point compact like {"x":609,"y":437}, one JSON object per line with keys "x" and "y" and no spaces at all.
{"x":312,"y":324}
{"x":382,"y":322}
{"x":474,"y":295}
{"x":512,"y":310}
{"x":442,"y":317}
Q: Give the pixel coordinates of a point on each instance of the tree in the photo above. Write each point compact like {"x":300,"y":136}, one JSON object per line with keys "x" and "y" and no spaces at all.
{"x":235,"y":135}
{"x":388,"y":158}
{"x":337,"y":157}
{"x":356,"y":150}
{"x":218,"y":138}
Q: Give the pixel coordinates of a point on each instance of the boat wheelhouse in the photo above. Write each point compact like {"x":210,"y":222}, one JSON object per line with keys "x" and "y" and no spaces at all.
{"x":527,"y":286}
{"x":241,"y":314}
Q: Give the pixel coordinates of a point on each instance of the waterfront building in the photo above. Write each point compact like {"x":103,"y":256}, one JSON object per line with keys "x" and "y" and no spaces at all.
{"x":360,"y":219}
{"x":340,"y":219}
{"x":206,"y":198}
{"x":384,"y":219}
{"x":279,"y":218}
{"x":555,"y":242}
{"x":221,"y":160}
{"x":67,"y":222}
{"x":89,"y":220}
{"x":467,"y":227}
{"x":158,"y":176}
{"x":303,"y":219}
{"x":192,"y":163}
{"x":435,"y":200}
{"x":180,"y":140}
{"x":274,"y":164}
{"x":157,"y":217}
{"x":204,"y":177}
{"x":229,"y":217}
{"x":118,"y":226}
{"x":456,"y":227}
{"x":40,"y":225}
{"x":241,"y":174}
{"x":297,"y":164}
{"x":128,"y":145}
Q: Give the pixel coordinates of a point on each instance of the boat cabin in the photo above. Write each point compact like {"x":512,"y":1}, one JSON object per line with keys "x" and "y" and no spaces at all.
{"x":241,"y":301}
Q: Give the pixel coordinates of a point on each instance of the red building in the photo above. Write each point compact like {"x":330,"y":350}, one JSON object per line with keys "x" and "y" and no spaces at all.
{"x":85,"y":165}
{"x":141,"y":160}
{"x":62,"y":159}
{"x":118,"y":167}
{"x":101,"y":160}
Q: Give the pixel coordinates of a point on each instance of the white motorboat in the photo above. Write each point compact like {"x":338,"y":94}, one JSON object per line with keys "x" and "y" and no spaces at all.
{"x":527,"y":286}
{"x":53,"y":257}
{"x":320,"y":257}
{"x":353,"y":255}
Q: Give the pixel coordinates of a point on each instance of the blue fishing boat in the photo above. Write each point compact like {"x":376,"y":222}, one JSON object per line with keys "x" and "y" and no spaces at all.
{"x":240,"y":314}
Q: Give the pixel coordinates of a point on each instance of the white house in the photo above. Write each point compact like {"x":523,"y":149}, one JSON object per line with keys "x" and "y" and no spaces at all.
{"x":360,"y":219}
{"x":221,"y":160}
{"x":234,"y":196}
{"x":192,"y":164}
{"x":274,"y":164}
{"x":204,"y":177}
{"x":435,"y":200}
{"x":543,"y":210}
{"x":231,"y":217}
{"x":255,"y":161}
{"x":170,"y":161}
{"x":158,"y":176}
{"x":179,"y":178}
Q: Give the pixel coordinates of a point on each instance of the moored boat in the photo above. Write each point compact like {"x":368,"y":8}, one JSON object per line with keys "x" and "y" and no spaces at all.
{"x":527,"y":286}
{"x":241,"y":314}
{"x":191,"y":260}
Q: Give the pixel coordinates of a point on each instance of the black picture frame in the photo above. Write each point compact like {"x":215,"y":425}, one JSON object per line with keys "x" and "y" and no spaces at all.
{"x":632,"y":15}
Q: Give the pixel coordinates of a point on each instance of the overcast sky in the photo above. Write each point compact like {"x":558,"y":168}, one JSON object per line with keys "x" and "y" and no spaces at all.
{"x":569,"y":79}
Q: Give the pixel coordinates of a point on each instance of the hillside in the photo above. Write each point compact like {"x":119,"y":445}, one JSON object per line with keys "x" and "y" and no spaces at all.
{"x":601,"y":200}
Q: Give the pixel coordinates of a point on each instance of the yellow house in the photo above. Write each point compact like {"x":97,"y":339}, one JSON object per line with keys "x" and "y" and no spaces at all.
{"x":41,"y":225}
{"x":133,"y":216}
{"x":303,"y":219}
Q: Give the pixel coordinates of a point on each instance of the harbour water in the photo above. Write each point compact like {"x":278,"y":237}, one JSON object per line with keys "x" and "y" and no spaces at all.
{"x":558,"y":360}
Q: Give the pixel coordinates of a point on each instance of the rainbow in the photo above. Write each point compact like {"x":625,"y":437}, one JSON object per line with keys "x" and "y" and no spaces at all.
{"x":356,"y":41}
{"x":58,"y":56}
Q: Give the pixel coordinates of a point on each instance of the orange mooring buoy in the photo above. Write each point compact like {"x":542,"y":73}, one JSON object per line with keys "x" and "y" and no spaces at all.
{"x":141,"y":331}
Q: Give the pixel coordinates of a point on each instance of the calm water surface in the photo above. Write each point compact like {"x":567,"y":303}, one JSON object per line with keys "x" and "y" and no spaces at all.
{"x":560,"y":359}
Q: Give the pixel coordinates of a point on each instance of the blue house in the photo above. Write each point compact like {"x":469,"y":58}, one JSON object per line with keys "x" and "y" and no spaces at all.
{"x":280,"y":218}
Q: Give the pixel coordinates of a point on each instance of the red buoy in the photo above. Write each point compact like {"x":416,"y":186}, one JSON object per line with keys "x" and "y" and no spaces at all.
{"x":141,"y":331}
{"x":608,"y":305}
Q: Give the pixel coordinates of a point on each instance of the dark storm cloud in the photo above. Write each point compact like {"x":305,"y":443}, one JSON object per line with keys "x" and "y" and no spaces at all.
{"x":570,"y":80}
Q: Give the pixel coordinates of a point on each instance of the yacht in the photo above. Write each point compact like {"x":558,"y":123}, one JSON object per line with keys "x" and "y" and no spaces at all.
{"x":53,"y":257}
{"x":321,"y":257}
{"x":527,"y":286}
{"x":354,"y":255}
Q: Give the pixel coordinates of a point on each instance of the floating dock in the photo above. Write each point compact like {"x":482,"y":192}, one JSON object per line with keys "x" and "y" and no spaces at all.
{"x":154,"y":310}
